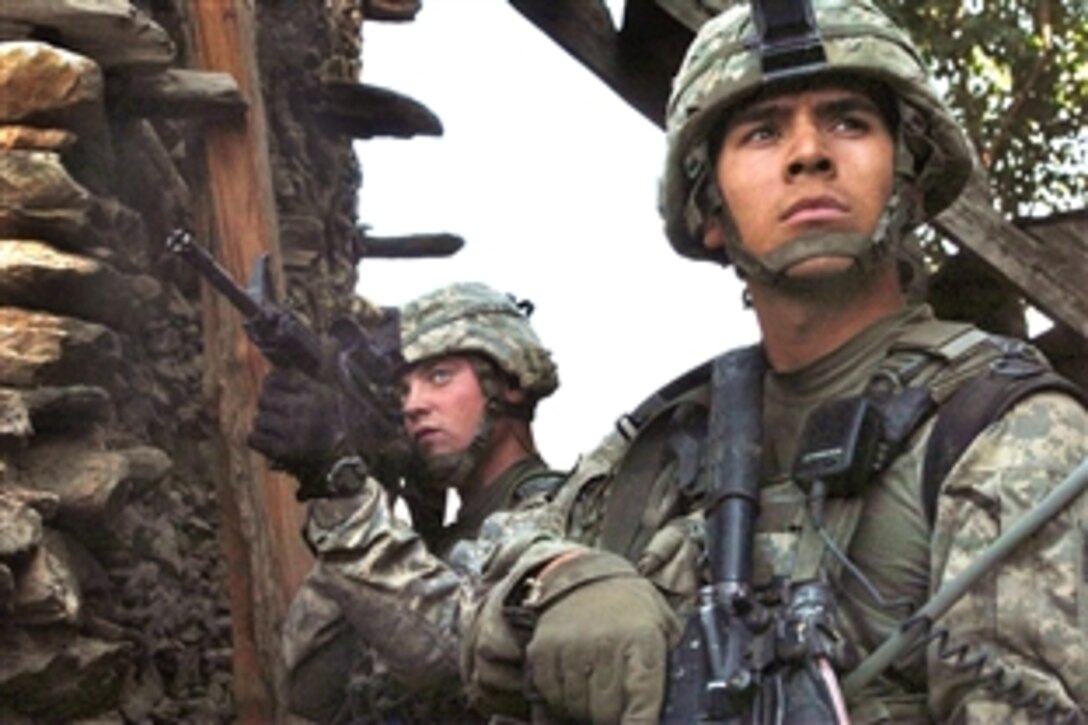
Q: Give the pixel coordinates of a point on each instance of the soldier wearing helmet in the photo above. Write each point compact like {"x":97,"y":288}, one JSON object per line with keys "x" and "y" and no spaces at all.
{"x":362,"y":640}
{"x":805,"y":144}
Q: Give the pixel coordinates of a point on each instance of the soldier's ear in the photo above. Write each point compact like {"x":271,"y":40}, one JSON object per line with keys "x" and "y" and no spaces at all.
{"x":713,"y":234}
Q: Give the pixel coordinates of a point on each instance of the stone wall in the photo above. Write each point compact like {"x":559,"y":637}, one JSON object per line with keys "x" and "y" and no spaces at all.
{"x":113,"y":601}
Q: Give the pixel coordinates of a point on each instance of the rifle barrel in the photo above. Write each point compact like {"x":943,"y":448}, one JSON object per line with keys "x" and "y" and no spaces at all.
{"x":183,"y":244}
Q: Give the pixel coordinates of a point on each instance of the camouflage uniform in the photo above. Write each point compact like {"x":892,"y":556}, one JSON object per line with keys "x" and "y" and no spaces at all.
{"x":368,"y":636}
{"x":1007,"y":469}
{"x":1029,"y":615}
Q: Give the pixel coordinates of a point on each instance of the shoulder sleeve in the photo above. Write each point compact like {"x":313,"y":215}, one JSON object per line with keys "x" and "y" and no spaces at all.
{"x":375,"y":578}
{"x":1029,"y":616}
{"x":319,"y":652}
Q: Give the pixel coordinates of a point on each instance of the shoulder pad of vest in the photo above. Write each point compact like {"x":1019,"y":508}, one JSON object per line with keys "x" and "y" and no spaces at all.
{"x":543,"y":484}
{"x":630,"y":423}
{"x":1016,"y":374}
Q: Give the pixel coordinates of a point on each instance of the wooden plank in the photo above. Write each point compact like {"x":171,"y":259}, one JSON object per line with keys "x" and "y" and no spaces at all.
{"x":627,"y":62}
{"x":1049,"y":274}
{"x":364,"y":111}
{"x":177,"y":93}
{"x":261,"y":519}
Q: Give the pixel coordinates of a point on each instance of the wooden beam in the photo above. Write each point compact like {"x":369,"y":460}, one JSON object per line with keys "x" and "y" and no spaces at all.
{"x":175,"y":93}
{"x":1050,"y":276}
{"x":363,"y":111}
{"x":637,"y":63}
{"x":260,"y":518}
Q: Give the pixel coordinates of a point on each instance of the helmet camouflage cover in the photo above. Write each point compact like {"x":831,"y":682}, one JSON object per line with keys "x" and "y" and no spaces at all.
{"x":724,"y":66}
{"x":470,"y":317}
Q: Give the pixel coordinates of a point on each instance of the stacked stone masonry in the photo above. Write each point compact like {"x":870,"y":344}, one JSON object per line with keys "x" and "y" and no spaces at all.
{"x":113,"y":602}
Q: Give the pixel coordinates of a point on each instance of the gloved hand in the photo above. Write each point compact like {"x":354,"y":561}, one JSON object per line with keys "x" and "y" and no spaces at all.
{"x":599,"y":650}
{"x":300,"y":426}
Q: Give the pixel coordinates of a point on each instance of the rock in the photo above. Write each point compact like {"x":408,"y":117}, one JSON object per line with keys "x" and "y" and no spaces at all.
{"x":40,"y":79}
{"x":72,"y":408}
{"x":90,"y":483}
{"x":20,"y":528}
{"x":147,"y":464}
{"x":14,"y":415}
{"x":112,"y":32}
{"x":37,"y":276}
{"x":44,"y":502}
{"x":38,"y":198}
{"x":55,"y":675}
{"x":31,"y":138}
{"x":46,"y":590}
{"x":37,"y":348}
{"x":7,"y":593}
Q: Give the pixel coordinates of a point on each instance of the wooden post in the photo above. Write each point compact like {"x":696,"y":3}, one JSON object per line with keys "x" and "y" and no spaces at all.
{"x":260,"y":518}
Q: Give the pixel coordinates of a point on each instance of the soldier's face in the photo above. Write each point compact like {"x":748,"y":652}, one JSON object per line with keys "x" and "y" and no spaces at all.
{"x":803,"y":163}
{"x":443,"y":405}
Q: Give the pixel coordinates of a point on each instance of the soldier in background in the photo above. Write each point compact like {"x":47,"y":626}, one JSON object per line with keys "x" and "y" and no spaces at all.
{"x":359,"y":628}
{"x":804,"y":153}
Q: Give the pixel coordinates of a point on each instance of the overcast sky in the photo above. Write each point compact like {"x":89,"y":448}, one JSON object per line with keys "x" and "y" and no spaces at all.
{"x":551,"y":179}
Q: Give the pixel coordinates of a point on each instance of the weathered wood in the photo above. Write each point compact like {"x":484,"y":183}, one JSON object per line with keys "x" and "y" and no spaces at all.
{"x":261,"y":519}
{"x":637,"y":62}
{"x":1050,"y":274}
{"x":177,"y":93}
{"x":363,"y":111}
{"x":391,"y":10}
{"x":409,"y":246}
{"x":689,"y":13}
{"x":112,"y":32}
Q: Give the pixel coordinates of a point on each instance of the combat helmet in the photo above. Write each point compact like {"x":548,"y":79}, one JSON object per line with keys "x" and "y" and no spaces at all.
{"x":747,"y":49}
{"x":470,"y":317}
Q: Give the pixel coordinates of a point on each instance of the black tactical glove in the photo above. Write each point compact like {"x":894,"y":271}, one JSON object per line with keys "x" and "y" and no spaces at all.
{"x":600,"y":646}
{"x":301,"y":427}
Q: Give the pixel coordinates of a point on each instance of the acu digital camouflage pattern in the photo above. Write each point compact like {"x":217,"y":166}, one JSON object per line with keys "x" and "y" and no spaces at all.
{"x":472,"y":317}
{"x":722,"y":68}
{"x":1030,"y":616}
{"x":1034,"y":608}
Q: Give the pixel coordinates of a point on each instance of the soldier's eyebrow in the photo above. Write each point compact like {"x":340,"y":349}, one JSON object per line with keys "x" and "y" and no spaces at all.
{"x":759,"y":112}
{"x":843,"y":105}
{"x":776,"y":108}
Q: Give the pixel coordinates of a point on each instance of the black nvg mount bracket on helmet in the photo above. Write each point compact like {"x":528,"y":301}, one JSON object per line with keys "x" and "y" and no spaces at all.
{"x":788,"y":39}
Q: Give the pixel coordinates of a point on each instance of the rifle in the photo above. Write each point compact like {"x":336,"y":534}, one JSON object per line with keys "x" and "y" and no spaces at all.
{"x":741,"y":660}
{"x":363,"y":372}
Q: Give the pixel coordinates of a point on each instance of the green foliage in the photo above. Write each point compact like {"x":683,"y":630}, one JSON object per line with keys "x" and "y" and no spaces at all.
{"x":1016,"y":75}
